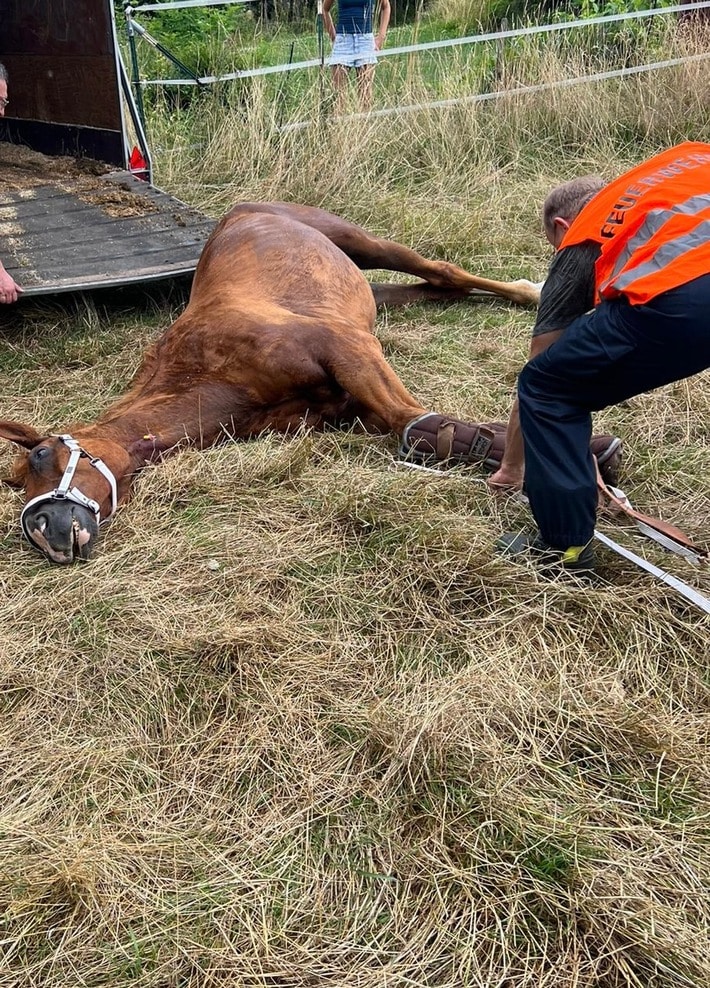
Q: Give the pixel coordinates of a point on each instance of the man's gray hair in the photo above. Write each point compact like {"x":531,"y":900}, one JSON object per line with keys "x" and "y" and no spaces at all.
{"x":3,"y":73}
{"x":569,"y":200}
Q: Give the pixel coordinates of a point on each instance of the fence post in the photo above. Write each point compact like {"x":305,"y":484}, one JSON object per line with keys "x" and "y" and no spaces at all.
{"x":500,"y":71}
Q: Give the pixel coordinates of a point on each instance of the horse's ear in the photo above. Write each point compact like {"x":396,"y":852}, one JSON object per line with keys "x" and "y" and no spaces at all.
{"x":17,"y":432}
{"x":13,"y":481}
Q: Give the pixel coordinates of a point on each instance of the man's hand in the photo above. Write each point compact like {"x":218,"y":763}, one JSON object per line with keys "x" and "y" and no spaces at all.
{"x":9,"y":289}
{"x":505,"y":481}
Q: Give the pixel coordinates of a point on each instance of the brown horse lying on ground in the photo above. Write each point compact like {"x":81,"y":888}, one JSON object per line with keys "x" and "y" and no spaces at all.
{"x":277,"y":332}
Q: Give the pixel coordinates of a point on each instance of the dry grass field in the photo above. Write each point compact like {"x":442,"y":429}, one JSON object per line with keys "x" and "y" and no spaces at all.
{"x":296,"y":725}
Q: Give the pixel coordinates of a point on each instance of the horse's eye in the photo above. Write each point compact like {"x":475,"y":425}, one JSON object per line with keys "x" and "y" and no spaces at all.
{"x":39,"y":457}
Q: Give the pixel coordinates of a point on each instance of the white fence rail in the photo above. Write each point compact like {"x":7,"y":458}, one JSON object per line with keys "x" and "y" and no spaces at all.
{"x":434,"y":45}
{"x":520,"y":90}
{"x":177,"y":4}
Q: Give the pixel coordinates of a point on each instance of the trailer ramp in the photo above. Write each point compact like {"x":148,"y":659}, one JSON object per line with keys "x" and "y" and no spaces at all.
{"x":74,"y":225}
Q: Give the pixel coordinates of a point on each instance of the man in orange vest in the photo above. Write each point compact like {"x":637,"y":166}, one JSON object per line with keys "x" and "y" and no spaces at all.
{"x":624,"y":310}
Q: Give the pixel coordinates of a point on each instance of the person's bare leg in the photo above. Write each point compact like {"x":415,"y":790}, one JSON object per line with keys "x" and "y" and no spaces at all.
{"x":340,"y":82}
{"x":365,"y":77}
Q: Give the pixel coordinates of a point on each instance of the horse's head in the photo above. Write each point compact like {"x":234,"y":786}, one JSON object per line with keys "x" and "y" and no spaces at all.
{"x":70,"y":490}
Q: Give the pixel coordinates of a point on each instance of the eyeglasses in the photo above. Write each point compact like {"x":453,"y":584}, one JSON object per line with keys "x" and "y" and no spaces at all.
{"x":3,"y":103}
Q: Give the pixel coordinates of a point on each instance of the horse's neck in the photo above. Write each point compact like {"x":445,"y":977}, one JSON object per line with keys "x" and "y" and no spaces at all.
{"x":199,"y":414}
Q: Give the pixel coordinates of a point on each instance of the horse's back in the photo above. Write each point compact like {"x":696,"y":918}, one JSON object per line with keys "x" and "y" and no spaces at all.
{"x":265,"y":258}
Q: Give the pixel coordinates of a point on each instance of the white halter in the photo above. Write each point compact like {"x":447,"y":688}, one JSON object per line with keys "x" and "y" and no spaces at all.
{"x":63,"y":491}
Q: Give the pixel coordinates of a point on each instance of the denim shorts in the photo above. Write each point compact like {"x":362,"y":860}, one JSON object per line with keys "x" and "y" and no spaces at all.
{"x":353,"y":50}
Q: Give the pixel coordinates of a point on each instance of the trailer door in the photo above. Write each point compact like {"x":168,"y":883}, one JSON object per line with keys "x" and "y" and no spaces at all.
{"x":64,"y":87}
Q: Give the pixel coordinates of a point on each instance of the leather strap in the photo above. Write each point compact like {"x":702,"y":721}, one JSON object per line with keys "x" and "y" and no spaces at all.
{"x":664,"y":528}
{"x":445,"y":440}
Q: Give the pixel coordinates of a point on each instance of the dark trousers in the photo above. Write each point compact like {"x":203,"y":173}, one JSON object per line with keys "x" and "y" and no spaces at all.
{"x":615,"y":351}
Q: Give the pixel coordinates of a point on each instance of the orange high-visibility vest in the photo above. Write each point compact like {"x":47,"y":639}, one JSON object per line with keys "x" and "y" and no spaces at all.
{"x":653,"y":225}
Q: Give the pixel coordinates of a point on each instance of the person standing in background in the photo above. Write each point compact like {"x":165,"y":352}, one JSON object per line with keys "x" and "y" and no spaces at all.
{"x":9,"y":289}
{"x":355,"y":44}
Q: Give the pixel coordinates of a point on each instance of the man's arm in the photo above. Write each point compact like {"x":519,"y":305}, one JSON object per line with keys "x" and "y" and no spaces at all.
{"x":383,"y":24}
{"x":567,"y":293}
{"x":9,"y":289}
{"x":328,"y":20}
{"x":509,"y":476}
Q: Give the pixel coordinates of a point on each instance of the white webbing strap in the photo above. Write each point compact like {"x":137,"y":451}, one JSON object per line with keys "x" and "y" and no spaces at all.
{"x":690,"y":593}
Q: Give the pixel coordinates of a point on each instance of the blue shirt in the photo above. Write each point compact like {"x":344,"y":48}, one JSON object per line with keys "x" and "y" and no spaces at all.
{"x":354,"y":17}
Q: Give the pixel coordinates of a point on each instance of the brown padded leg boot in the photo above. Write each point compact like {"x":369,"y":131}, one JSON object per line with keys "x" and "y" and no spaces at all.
{"x":435,"y":440}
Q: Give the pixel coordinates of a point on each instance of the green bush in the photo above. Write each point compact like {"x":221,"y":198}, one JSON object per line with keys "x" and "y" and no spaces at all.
{"x":202,"y":38}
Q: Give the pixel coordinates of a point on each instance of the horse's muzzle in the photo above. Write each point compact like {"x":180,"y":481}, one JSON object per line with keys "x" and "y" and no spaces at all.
{"x":61,"y":530}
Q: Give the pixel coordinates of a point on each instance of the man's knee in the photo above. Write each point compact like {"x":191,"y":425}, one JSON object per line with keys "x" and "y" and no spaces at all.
{"x":530,"y":388}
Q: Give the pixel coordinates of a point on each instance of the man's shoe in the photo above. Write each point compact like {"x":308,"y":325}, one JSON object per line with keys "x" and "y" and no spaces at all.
{"x":575,"y":561}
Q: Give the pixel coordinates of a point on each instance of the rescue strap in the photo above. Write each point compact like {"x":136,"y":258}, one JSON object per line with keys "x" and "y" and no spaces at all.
{"x":690,"y":593}
{"x":664,"y":533}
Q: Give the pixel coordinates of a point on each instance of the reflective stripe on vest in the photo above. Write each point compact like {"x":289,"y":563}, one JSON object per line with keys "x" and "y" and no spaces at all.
{"x":668,"y":252}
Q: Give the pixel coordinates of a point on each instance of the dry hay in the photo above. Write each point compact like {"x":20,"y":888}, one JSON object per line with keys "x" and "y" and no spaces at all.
{"x":22,"y":164}
{"x":22,"y":170}
{"x":296,"y":725}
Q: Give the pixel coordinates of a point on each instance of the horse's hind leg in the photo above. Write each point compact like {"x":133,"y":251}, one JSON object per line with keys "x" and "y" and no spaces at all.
{"x":368,"y":252}
{"x":379,"y":398}
{"x":373,"y":252}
